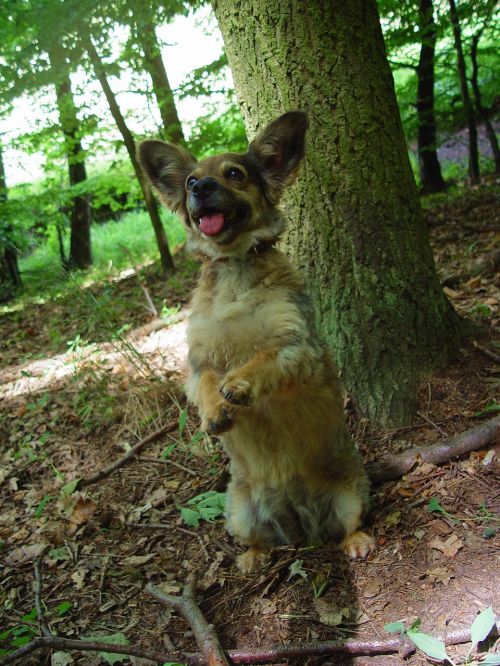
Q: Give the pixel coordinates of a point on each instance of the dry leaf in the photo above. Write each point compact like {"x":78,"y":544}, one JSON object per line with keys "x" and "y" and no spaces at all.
{"x":82,"y":511}
{"x":138,"y":560}
{"x":331,"y":615}
{"x":24,"y":554}
{"x":441,"y":528}
{"x":78,"y":578}
{"x":372,"y":588}
{"x":450,"y":547}
{"x":440,"y":575}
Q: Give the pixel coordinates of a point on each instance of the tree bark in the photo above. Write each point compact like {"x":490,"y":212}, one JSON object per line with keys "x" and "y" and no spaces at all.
{"x":167,"y":262}
{"x":474,"y":174}
{"x":9,"y":268}
{"x":144,"y":25}
{"x":481,"y":110}
{"x":431,"y":179}
{"x":355,"y":217}
{"x":80,"y":254}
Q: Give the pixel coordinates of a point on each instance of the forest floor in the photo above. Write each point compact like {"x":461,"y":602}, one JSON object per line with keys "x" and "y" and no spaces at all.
{"x":85,"y":377}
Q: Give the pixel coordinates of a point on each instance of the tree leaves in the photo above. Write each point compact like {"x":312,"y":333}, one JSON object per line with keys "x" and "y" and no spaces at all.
{"x":482,"y":625}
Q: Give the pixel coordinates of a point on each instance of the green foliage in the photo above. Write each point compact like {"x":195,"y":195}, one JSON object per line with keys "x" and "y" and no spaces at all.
{"x":114,"y":639}
{"x":206,"y":506}
{"x":215,"y":133}
{"x":435,"y":648}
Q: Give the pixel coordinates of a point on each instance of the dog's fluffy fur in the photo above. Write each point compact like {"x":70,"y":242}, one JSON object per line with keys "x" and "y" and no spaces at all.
{"x":259,"y":376}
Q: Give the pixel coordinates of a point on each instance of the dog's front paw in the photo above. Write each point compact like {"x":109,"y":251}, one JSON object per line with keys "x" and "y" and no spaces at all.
{"x":358,"y":544}
{"x":220,"y":420}
{"x":251,"y":560}
{"x":236,"y":391}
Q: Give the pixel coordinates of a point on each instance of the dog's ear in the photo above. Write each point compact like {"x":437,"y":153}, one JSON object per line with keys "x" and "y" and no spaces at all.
{"x":167,"y":167}
{"x":279,"y":151}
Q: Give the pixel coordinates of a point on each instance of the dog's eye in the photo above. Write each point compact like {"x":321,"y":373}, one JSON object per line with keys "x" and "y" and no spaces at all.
{"x":235,"y":174}
{"x":190,"y":182}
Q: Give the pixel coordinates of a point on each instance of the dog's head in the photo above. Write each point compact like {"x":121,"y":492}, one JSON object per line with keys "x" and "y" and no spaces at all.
{"x":229,"y":201}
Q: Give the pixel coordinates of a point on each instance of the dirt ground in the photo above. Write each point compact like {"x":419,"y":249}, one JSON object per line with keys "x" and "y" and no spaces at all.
{"x":70,"y":409}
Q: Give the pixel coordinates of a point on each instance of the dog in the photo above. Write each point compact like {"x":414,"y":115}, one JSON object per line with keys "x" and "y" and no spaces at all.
{"x":260,"y":377}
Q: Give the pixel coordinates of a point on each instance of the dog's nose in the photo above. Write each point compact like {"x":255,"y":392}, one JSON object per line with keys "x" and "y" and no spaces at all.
{"x":203,"y":187}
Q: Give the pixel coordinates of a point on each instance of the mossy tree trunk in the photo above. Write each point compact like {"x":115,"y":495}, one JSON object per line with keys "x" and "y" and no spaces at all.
{"x":355,"y":218}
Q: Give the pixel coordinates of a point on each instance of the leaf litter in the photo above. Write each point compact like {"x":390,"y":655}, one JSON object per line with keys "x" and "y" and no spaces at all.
{"x":107,"y":541}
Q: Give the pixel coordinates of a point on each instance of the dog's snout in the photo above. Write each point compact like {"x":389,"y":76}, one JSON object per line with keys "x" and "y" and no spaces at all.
{"x":203,"y":187}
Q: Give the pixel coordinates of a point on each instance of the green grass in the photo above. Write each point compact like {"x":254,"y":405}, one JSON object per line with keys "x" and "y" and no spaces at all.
{"x":114,"y":245}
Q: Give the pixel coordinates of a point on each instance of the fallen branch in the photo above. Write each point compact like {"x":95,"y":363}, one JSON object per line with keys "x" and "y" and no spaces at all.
{"x":395,"y":465}
{"x":204,"y":632}
{"x":106,"y":471}
{"x":66,"y":644}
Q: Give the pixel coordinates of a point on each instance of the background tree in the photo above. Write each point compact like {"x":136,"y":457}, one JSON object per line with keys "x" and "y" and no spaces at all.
{"x":143,"y":51}
{"x":10,"y":277}
{"x":151,"y":204}
{"x":356,"y":229}
{"x":36,"y":55}
{"x":431,"y":179}
{"x":470,"y":115}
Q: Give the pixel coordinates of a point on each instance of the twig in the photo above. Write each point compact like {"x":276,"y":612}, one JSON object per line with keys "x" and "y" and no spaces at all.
{"x":203,"y":631}
{"x":487,"y":352}
{"x":44,"y":628}
{"x":66,"y":644}
{"x":149,"y":300}
{"x":395,"y":465}
{"x":106,"y":471}
{"x":434,"y":425}
{"x":168,"y":461}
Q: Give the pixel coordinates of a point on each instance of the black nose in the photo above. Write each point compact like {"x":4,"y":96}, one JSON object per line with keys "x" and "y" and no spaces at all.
{"x":203,"y":187}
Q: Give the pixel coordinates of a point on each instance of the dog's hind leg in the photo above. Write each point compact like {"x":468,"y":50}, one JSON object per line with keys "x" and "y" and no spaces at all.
{"x":349,"y":510}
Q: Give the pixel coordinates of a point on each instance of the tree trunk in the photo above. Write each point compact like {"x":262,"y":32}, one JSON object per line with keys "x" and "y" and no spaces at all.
{"x":355,"y":218}
{"x":9,"y":268}
{"x":167,"y":262}
{"x":172,"y":128}
{"x":474,"y":174}
{"x":480,"y":109}
{"x":431,"y":179}
{"x":80,"y":254}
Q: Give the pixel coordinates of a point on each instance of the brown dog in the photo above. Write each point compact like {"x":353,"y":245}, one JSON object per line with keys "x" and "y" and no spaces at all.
{"x":258,"y":373}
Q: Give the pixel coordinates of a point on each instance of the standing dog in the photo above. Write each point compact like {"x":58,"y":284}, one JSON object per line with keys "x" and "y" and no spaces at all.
{"x":259,"y":376}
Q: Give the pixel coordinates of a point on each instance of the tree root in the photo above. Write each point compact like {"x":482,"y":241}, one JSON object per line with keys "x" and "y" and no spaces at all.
{"x":394,"y":466}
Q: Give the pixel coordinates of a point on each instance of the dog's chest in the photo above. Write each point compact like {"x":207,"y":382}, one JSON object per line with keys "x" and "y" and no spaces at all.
{"x":233,"y":317}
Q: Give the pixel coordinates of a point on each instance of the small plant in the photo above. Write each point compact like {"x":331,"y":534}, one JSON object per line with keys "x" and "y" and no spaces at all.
{"x":436,"y":649}
{"x":206,"y":506}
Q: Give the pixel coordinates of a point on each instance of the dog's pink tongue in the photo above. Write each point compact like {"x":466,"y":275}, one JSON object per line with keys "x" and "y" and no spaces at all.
{"x":211,"y":225}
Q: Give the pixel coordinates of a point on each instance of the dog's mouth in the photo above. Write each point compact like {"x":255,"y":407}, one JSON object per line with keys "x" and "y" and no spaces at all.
{"x":214,"y":222}
{"x":211,"y":223}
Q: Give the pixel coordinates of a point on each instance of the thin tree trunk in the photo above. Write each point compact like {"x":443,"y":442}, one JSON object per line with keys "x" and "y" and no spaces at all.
{"x":172,"y":128}
{"x":10,"y":268}
{"x":152,"y":207}
{"x":355,"y":219}
{"x":474,"y":174}
{"x":80,"y":254}
{"x":480,"y":109}
{"x":431,"y":179}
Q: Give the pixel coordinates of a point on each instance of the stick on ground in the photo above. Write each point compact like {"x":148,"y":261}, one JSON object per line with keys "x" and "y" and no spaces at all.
{"x":204,"y":632}
{"x":395,"y":465}
{"x":109,"y":469}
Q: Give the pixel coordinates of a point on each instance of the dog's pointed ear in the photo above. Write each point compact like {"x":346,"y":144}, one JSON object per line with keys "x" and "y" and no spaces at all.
{"x":167,"y":167}
{"x":279,"y":150}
